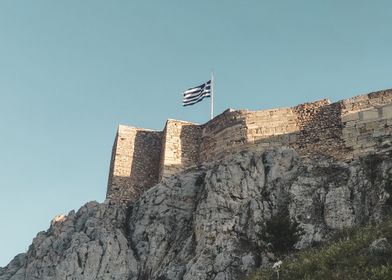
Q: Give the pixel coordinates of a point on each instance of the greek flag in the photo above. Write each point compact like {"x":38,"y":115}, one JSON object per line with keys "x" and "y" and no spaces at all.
{"x":196,"y":94}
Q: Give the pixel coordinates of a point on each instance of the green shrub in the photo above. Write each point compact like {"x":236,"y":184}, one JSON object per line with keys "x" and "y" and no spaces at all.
{"x":347,"y":257}
{"x":281,"y":232}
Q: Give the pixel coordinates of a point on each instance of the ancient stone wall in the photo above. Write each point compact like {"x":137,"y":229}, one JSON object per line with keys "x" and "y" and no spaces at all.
{"x":223,"y":135}
{"x":234,"y":131}
{"x":366,"y":101}
{"x":320,"y":129}
{"x":180,"y":147}
{"x":343,"y":130}
{"x":135,"y":163}
{"x":367,"y":123}
{"x":271,"y":128}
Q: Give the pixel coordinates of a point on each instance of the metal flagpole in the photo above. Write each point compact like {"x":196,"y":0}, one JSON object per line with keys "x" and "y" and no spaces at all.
{"x":212,"y":94}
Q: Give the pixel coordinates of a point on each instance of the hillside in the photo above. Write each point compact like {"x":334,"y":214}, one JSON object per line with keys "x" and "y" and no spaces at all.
{"x":357,"y":253}
{"x":222,"y":220}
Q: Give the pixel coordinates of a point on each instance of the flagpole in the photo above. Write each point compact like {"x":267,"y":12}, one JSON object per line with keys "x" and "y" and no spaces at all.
{"x":212,"y":95}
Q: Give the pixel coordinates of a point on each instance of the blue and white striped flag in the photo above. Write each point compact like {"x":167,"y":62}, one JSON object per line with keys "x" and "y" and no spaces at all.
{"x":196,"y":94}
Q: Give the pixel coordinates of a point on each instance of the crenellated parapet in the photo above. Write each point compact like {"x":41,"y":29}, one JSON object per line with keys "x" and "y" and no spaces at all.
{"x":344,"y":130}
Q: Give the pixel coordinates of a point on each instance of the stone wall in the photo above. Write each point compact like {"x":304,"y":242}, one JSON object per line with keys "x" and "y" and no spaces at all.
{"x":366,"y":101}
{"x":135,"y":163}
{"x":271,"y":128}
{"x":320,"y":129}
{"x":234,"y":131}
{"x":180,"y":147}
{"x":366,"y":123}
{"x":343,"y":130}
{"x":223,"y":135}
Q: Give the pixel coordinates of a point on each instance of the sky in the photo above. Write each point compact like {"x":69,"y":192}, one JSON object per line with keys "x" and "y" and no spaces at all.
{"x":72,"y":71}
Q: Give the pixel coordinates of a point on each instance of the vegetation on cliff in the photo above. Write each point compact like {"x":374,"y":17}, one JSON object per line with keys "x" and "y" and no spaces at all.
{"x":357,"y":253}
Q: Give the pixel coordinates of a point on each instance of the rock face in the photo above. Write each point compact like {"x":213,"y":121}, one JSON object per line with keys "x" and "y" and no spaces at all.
{"x":213,"y":222}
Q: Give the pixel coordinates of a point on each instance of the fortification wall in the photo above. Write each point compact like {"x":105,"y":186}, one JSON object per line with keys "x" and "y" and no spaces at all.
{"x":367,"y":123}
{"x":222,"y":135}
{"x":271,"y":128}
{"x":180,"y":147}
{"x":343,"y":130}
{"x":135,"y":163}
{"x":366,"y":101}
{"x":320,"y":129}
{"x":234,"y":131}
{"x":316,"y":128}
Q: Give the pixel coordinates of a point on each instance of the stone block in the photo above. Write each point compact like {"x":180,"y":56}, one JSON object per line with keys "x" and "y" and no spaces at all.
{"x":367,"y":144}
{"x":368,"y":150}
{"x":252,"y":126}
{"x":350,"y":117}
{"x":283,"y":138}
{"x":350,"y":142}
{"x":261,"y":113}
{"x":369,"y":115}
{"x":365,"y":137}
{"x":279,"y":130}
{"x":387,"y":112}
{"x":275,"y":144}
{"x":372,"y":125}
{"x":293,"y":138}
{"x":350,"y":124}
{"x":356,"y":146}
{"x":292,"y":128}
{"x":347,"y":131}
{"x":379,"y":132}
{"x":263,"y":144}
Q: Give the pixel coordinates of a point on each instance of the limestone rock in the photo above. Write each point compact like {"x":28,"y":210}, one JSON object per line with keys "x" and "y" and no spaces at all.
{"x":15,"y":270}
{"x":210,"y":222}
{"x":380,"y":247}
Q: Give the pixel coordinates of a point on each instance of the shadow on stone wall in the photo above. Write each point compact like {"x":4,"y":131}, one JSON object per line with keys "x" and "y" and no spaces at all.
{"x":143,"y":167}
{"x":146,"y":157}
{"x":190,"y":137}
{"x":111,"y":169}
{"x":320,"y":130}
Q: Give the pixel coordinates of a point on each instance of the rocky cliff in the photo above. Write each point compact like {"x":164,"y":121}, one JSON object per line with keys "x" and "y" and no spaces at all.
{"x":219,"y":221}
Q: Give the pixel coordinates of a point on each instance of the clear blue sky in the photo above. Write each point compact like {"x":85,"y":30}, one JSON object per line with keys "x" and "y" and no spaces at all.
{"x":71,"y":71}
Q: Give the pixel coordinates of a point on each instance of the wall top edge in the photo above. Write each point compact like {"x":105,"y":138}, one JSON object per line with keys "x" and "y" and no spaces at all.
{"x":180,"y":121}
{"x":371,"y":95}
{"x":125,"y":128}
{"x":230,"y":111}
